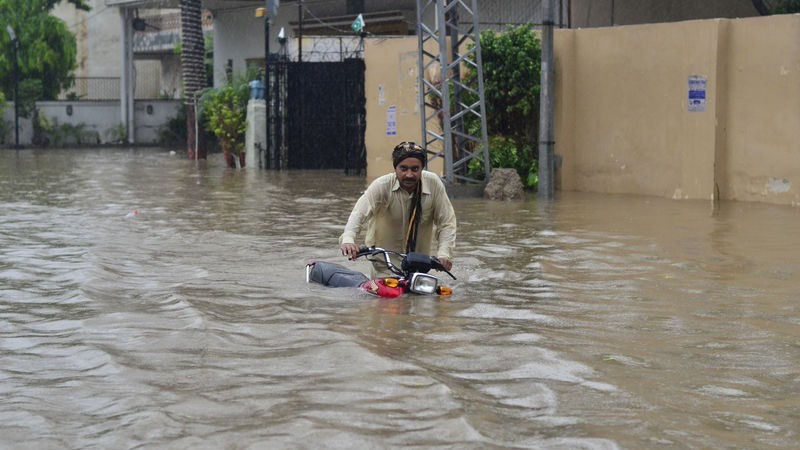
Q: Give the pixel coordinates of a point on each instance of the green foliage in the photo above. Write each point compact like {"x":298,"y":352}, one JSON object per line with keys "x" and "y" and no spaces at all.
{"x":226,"y":118}
{"x":208,"y":59}
{"x":47,"y":132}
{"x":173,"y":133}
{"x":41,"y":127}
{"x":223,"y":110}
{"x":786,"y":7}
{"x":46,"y":50}
{"x":118,"y":134}
{"x":503,"y":152}
{"x":511,"y":78}
{"x":68,"y":134}
{"x":511,"y":75}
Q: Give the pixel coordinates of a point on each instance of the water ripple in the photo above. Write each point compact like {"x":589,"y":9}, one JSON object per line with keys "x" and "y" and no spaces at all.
{"x":594,"y":322}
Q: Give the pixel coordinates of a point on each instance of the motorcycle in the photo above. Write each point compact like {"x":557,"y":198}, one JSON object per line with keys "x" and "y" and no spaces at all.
{"x":411,"y":276}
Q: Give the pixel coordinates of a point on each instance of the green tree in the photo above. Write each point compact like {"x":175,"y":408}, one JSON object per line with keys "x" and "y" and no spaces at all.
{"x":767,"y":7}
{"x":511,"y":78}
{"x":511,"y":74}
{"x":46,"y":49}
{"x":786,"y":7}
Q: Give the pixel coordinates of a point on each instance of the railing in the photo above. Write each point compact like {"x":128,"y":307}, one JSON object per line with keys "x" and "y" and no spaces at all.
{"x":108,"y":88}
{"x":92,"y":88}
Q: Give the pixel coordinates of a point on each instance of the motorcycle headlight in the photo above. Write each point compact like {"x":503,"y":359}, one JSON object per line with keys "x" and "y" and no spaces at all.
{"x":423,"y":284}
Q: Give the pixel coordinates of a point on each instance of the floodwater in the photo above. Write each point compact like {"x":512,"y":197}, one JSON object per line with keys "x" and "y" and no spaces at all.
{"x":588,"y":322}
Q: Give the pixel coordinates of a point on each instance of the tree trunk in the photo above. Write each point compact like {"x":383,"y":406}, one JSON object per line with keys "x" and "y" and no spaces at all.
{"x":193,"y":70}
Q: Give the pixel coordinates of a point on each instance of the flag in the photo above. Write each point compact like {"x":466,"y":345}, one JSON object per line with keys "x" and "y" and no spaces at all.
{"x":358,"y":24}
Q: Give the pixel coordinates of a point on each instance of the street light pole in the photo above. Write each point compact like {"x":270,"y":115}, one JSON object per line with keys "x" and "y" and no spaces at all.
{"x":270,"y":148}
{"x":15,"y":46}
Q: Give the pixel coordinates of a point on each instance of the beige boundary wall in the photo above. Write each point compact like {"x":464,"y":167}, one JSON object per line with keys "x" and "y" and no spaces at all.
{"x":622,"y":115}
{"x":392,"y":95}
{"x":624,"y":125}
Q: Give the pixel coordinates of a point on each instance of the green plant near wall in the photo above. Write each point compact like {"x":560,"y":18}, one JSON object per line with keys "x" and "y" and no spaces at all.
{"x":118,"y":134}
{"x":173,"y":133}
{"x":223,"y":110}
{"x":42,"y":127}
{"x":225,"y":114}
{"x":511,"y":77}
{"x":503,"y":152}
{"x":208,"y":59}
{"x":786,"y":7}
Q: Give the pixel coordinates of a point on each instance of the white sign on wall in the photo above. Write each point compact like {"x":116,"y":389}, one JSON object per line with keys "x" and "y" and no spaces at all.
{"x":391,"y":120}
{"x":697,"y":93}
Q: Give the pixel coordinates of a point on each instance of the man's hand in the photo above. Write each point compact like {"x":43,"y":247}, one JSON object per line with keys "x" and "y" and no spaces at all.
{"x":349,"y":250}
{"x":446,"y":263}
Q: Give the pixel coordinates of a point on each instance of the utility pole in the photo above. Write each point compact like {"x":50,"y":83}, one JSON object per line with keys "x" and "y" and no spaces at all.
{"x":546,"y":144}
{"x":270,"y":149}
{"x":269,"y":10}
{"x":300,"y":31}
{"x":442,"y":109}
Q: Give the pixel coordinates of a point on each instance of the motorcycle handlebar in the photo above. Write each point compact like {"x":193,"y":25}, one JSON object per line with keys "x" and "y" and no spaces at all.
{"x":369,"y":251}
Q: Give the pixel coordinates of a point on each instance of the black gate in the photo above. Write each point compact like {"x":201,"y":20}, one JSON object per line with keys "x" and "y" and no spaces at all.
{"x":321,"y":122}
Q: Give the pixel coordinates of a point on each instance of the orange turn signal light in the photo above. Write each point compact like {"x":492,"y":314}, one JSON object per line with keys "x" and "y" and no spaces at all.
{"x":390,"y":282}
{"x":444,"y":290}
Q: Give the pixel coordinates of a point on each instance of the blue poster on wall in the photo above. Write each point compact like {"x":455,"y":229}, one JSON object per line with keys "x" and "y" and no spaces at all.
{"x":697,"y":93}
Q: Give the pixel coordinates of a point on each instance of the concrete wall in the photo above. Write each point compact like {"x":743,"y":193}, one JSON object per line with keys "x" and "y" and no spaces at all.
{"x":623,"y":122}
{"x":623,"y":119}
{"x":390,"y":85}
{"x":238,"y":37}
{"x":391,"y":89}
{"x":98,"y":35}
{"x":100,"y":120}
{"x":601,"y":13}
{"x":759,"y":138}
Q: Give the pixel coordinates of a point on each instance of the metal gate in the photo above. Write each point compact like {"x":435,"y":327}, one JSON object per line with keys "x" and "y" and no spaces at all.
{"x":322,"y":119}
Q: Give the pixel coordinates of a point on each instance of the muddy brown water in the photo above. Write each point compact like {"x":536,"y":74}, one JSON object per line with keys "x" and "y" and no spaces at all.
{"x":591,"y":322}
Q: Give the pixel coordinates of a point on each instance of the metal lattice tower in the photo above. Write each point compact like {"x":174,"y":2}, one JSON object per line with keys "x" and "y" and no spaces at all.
{"x":446,"y":99}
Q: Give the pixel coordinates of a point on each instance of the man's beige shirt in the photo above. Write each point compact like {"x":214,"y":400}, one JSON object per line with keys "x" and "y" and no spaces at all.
{"x":385,"y":207}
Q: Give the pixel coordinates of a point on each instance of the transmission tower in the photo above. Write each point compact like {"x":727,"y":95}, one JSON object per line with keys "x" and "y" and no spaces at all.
{"x":452,"y":106}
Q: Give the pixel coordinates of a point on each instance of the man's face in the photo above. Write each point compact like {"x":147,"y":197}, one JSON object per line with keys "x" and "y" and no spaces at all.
{"x":408,"y":173}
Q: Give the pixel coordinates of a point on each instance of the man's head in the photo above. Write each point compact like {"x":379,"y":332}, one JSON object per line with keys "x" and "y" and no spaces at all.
{"x":405,"y":150}
{"x":409,"y":160}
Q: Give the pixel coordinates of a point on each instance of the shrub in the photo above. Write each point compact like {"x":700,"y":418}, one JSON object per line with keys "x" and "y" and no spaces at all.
{"x":223,"y":110}
{"x":511,"y":79}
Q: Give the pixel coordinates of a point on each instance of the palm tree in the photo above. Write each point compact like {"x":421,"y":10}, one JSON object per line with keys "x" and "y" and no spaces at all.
{"x":193,"y":69}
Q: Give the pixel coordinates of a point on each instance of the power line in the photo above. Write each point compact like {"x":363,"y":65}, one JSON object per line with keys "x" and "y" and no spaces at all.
{"x":87,"y":18}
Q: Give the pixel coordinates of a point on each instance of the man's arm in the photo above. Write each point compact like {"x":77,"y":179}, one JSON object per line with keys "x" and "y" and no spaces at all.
{"x":358,"y":217}
{"x":361,"y":214}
